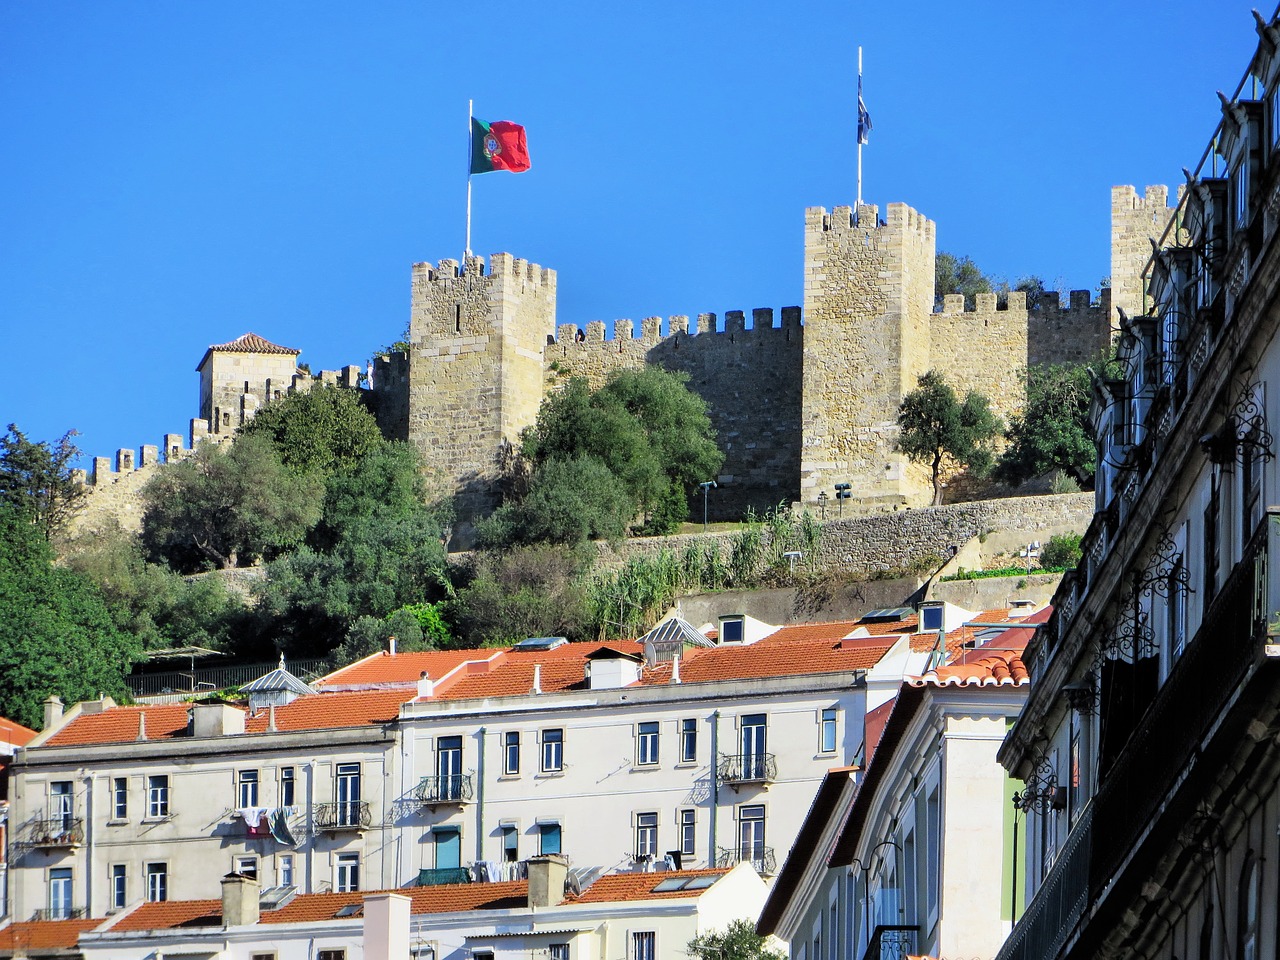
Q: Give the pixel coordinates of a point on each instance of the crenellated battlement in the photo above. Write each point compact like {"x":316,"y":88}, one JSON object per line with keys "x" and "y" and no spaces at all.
{"x":679,"y":325}
{"x":472,"y":267}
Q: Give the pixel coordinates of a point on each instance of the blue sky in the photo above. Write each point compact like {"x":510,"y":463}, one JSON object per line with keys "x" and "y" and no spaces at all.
{"x":175,"y":174}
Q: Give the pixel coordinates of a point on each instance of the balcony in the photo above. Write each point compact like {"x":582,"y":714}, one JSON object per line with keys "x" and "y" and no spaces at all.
{"x":759,"y":857}
{"x":891,"y":941}
{"x":745,"y":768}
{"x":54,"y":832}
{"x":1059,"y":903}
{"x":346,"y":815}
{"x":454,"y":789}
{"x":59,"y":913}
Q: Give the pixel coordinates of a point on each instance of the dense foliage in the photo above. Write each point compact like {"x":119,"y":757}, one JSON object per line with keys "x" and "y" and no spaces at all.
{"x":323,"y":429}
{"x":1053,"y":432}
{"x":961,"y":275}
{"x":737,"y":941}
{"x":937,"y":427}
{"x":56,"y":633}
{"x":36,"y":479}
{"x":599,"y":460}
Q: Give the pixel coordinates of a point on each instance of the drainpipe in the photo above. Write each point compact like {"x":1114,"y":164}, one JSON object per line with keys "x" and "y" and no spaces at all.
{"x":715,"y":787}
{"x":480,"y":798}
{"x":310,"y":766}
{"x":88,"y":844}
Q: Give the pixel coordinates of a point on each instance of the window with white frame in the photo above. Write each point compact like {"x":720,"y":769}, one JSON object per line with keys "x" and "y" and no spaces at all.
{"x":1176,"y":618}
{"x":511,"y":753}
{"x":689,"y":740}
{"x":247,"y":789}
{"x":751,"y":835}
{"x":288,"y":786}
{"x":644,"y":945}
{"x":688,"y":822}
{"x":647,"y":743}
{"x":346,"y":873}
{"x":119,"y":886}
{"x":61,"y":802}
{"x":1240,"y":191}
{"x":120,"y":798}
{"x":646,"y":835}
{"x":933,"y":853}
{"x":60,"y":893}
{"x":552,"y":750}
{"x":158,"y":795}
{"x":827,"y":730}
{"x":338,"y":954}
{"x":1250,"y":904}
{"x":284,"y":870}
{"x":245,"y":866}
{"x":558,"y":951}
{"x":548,"y":838}
{"x":157,"y":882}
{"x":510,"y":843}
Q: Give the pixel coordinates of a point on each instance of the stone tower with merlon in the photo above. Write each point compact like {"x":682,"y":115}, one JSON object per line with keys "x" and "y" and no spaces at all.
{"x":475,"y":375}
{"x":1135,"y":221}
{"x":868,"y":296}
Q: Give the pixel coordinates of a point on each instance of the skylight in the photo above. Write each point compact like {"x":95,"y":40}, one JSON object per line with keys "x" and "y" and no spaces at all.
{"x":541,"y":643}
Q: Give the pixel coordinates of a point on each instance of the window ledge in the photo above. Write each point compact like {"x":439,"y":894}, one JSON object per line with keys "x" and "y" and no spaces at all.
{"x":115,"y":822}
{"x":166,"y":817}
{"x":548,"y":774}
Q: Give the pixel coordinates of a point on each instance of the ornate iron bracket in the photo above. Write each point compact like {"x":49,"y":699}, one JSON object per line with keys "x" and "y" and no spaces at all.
{"x":1041,"y":792}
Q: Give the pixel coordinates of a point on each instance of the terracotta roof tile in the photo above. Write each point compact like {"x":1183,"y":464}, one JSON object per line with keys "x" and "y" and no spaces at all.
{"x":759,"y":660}
{"x":834,"y":630}
{"x":30,"y":935}
{"x":446,"y":898}
{"x":166,"y":721}
{"x":251,"y":343}
{"x":616,"y":887}
{"x":15,"y":733}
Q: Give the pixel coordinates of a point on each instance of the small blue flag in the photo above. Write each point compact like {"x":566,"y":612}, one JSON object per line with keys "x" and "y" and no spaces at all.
{"x":864,"y":118}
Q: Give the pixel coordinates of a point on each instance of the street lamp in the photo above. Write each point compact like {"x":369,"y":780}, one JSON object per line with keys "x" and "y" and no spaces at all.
{"x":822,"y":504}
{"x":867,"y":869}
{"x":706,"y":486}
{"x":1030,"y":552}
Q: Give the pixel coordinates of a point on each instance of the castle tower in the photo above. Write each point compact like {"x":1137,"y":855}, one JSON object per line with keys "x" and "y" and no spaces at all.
{"x":476,"y":367}
{"x":868,"y":295}
{"x":239,"y":377}
{"x":1135,"y":222}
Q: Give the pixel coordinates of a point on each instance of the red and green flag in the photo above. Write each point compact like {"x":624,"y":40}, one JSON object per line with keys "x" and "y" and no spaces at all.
{"x":498,"y":146}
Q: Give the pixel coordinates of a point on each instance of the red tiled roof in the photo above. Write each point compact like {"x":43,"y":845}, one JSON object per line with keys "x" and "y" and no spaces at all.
{"x":617,"y":887}
{"x":761,"y":660}
{"x":164,"y":721}
{"x":873,"y":726}
{"x":997,"y":661}
{"x":812,"y":631}
{"x":401,"y":668}
{"x":31,"y":935}
{"x":252,"y":343}
{"x":446,"y":898}
{"x":15,"y":733}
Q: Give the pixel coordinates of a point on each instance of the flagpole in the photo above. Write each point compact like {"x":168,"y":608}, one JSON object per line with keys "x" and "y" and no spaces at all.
{"x":471,"y":145}
{"x":859,"y":137}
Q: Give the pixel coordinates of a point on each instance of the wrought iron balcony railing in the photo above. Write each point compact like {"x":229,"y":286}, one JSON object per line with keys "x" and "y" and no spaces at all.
{"x":890,"y":941}
{"x":59,"y":913}
{"x":747,"y":768}
{"x":54,"y":832}
{"x":449,"y":789}
{"x":343,"y":815}
{"x":761,"y":858}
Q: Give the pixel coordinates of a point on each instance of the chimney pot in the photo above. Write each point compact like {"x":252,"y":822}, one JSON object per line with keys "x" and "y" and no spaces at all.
{"x":537,"y":678}
{"x":52,"y":711}
{"x":426,"y":686}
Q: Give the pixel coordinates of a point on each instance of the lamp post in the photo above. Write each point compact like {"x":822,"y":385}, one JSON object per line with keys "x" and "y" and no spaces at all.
{"x":866,"y":869}
{"x":1030,"y":552}
{"x":706,"y":486}
{"x":822,"y":505}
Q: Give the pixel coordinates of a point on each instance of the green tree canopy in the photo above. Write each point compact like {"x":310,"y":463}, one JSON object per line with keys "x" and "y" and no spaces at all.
{"x":35,"y":479}
{"x":56,"y":634}
{"x":935,"y":426}
{"x":222,"y":507}
{"x":1053,"y":432}
{"x":323,"y":429}
{"x":532,"y":591}
{"x":954,"y":274}
{"x":737,"y":941}
{"x":646,"y":426}
{"x":569,"y":501}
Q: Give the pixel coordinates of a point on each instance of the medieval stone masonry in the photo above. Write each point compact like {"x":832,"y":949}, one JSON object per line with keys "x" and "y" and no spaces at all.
{"x":801,"y":400}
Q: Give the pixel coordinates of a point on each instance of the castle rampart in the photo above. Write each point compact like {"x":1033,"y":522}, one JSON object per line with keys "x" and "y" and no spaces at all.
{"x":1135,"y":221}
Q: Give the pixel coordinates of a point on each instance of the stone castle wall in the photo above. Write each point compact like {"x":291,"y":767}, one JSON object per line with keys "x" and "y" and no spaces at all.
{"x":750,"y":378}
{"x":476,"y":366}
{"x":1135,"y":221}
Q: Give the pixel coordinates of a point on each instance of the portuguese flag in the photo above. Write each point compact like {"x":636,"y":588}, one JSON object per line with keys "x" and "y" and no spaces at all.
{"x":498,"y":146}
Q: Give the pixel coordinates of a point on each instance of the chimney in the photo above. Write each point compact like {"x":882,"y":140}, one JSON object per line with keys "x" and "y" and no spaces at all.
{"x":52,"y":711}
{"x":216,"y":720}
{"x":391,"y":645}
{"x":239,"y":900}
{"x":537,"y":678}
{"x":386,"y":926}
{"x":142,"y":724}
{"x":426,"y":686}
{"x":271,"y":718}
{"x":675,"y":669}
{"x":547,"y":874}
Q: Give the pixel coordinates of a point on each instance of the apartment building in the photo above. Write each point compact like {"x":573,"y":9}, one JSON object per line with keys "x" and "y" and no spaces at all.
{"x":916,"y":858}
{"x":639,"y":916}
{"x":440,"y":766}
{"x":1150,"y":743}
